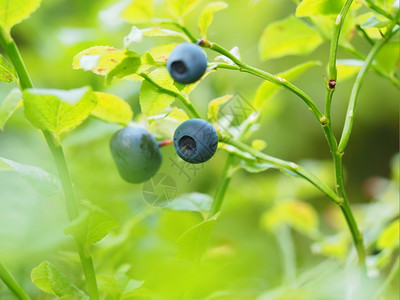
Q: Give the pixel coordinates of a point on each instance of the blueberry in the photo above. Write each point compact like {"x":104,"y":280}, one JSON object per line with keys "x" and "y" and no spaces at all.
{"x":187,"y":63}
{"x":136,"y":154}
{"x":195,"y":141}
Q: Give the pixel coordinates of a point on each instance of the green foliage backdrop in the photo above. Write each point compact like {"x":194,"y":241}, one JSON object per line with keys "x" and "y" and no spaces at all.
{"x":99,"y":65}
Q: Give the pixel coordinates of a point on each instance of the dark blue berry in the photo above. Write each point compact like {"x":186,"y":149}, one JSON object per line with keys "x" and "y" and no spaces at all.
{"x":136,"y":154}
{"x":195,"y":141}
{"x":187,"y":63}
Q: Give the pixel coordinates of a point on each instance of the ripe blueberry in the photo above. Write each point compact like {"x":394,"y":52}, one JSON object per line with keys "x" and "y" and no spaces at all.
{"x":195,"y":141}
{"x":187,"y":63}
{"x":136,"y":154}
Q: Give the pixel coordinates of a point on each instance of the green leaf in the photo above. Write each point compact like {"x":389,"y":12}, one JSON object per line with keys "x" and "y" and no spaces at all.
{"x":120,"y":284}
{"x":7,"y":72}
{"x":373,"y":21}
{"x":140,"y":11}
{"x":186,"y":89}
{"x":389,"y":239}
{"x":301,"y":216}
{"x":288,"y":37}
{"x":112,"y":62}
{"x":179,"y":8}
{"x":12,"y":102}
{"x":58,"y":111}
{"x":213,"y":106}
{"x":127,"y":66}
{"x":206,"y":16}
{"x":111,"y":108}
{"x":52,"y":281}
{"x":193,"y":243}
{"x":154,"y":99}
{"x":92,"y":225}
{"x":40,"y":180}
{"x":268,"y":89}
{"x":191,"y":202}
{"x":13,"y":12}
{"x":319,"y":7}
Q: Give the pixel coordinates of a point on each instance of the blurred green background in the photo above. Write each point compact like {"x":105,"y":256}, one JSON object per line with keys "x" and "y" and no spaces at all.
{"x":246,"y":259}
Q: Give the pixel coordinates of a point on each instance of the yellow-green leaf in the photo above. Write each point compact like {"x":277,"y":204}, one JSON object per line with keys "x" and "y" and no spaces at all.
{"x":213,"y":106}
{"x":58,"y":111}
{"x":179,"y":8}
{"x":108,"y":58}
{"x":290,"y":36}
{"x":92,"y":225}
{"x":7,"y":72}
{"x":267,"y":89}
{"x":389,"y":239}
{"x":140,"y":11}
{"x":15,"y":11}
{"x":158,"y":31}
{"x":297,"y":214}
{"x":12,"y":102}
{"x":259,"y":145}
{"x":346,"y":68}
{"x":111,"y":108}
{"x":161,"y":53}
{"x":206,"y":16}
{"x":52,"y":281}
{"x":319,"y":7}
{"x":40,"y":180}
{"x":193,"y":243}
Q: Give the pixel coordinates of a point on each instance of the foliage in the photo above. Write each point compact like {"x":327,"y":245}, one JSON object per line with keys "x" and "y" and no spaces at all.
{"x":322,"y":228}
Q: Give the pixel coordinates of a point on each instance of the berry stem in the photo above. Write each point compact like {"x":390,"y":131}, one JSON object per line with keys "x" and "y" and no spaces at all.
{"x":165,"y":143}
{"x":25,"y":82}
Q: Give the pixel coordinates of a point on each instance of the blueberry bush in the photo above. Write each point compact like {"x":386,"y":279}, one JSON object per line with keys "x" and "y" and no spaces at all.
{"x":199,"y":149}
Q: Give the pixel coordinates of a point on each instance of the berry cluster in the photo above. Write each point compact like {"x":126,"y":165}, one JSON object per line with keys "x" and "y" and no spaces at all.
{"x":136,"y":152}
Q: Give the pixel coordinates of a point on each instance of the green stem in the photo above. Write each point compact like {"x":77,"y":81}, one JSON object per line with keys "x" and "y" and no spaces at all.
{"x":179,"y":25}
{"x":189,"y":106}
{"x":267,"y":76}
{"x":12,"y":284}
{"x":345,"y":207}
{"x":13,"y":53}
{"x":379,"y":10}
{"x":348,"y":125}
{"x":72,"y":206}
{"x":365,"y":34}
{"x":287,"y":166}
{"x":336,"y":155}
{"x":335,"y":40}
{"x":222,"y":187}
